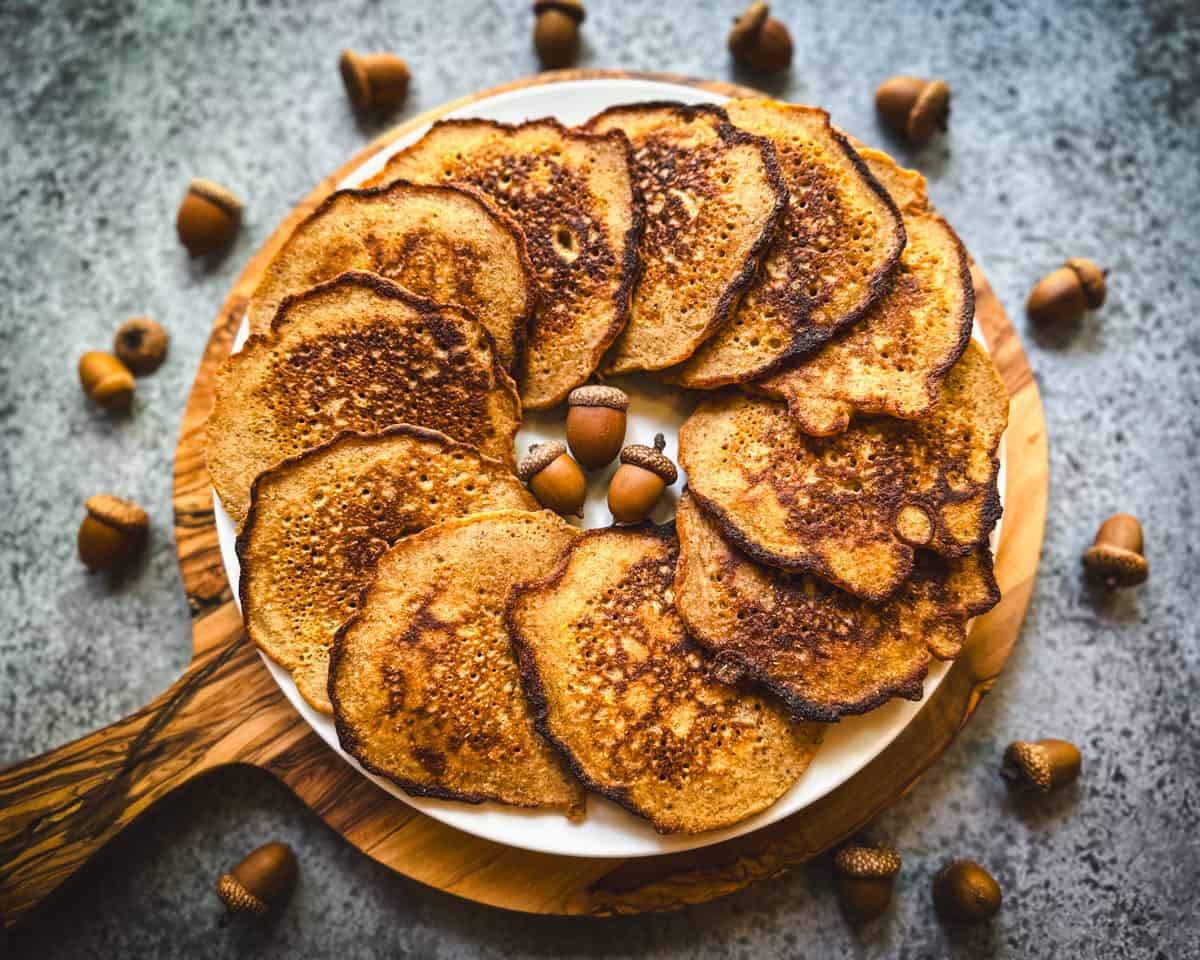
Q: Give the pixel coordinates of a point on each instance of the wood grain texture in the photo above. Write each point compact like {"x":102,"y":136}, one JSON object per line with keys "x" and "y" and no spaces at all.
{"x":61,"y":807}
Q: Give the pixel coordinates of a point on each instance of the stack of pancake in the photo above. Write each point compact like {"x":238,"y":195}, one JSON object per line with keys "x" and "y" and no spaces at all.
{"x":841,"y":460}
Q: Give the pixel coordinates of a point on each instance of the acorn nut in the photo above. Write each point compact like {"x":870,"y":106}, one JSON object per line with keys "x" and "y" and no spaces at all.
{"x":914,"y":108}
{"x":106,"y":380}
{"x":141,"y":344}
{"x":639,"y":481}
{"x":260,"y":883}
{"x":964,"y":892}
{"x":208,"y":218}
{"x":596,"y":424}
{"x":554,"y":477}
{"x":1045,"y":765}
{"x":112,"y":533}
{"x":759,"y":41}
{"x":1116,"y":556}
{"x":556,"y":31}
{"x":1062,"y":295}
{"x":865,"y":877}
{"x":375,"y":82}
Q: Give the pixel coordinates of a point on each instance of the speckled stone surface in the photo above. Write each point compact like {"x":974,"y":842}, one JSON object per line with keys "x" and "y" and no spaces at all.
{"x":1075,"y":131}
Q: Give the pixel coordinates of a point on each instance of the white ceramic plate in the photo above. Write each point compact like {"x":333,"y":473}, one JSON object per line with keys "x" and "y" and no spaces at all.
{"x":608,"y":830}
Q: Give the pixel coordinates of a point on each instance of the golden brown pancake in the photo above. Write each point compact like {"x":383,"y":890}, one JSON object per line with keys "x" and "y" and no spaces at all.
{"x":423,"y":679}
{"x":823,"y":652}
{"x":894,"y":360}
{"x":616,"y":684}
{"x":831,"y":259}
{"x":319,"y":522}
{"x":713,"y":196}
{"x":355,"y":353}
{"x":437,"y":241}
{"x":573,"y":197}
{"x":851,"y":508}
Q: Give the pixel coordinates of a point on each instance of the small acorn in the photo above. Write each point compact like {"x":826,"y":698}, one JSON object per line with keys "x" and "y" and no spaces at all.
{"x":141,"y":344}
{"x":865,"y":878}
{"x":556,"y":31}
{"x":208,"y":218}
{"x":759,"y":41}
{"x":639,"y":481}
{"x":1045,"y":765}
{"x":964,"y":892}
{"x":1116,"y":557}
{"x":375,"y":82}
{"x":112,"y":533}
{"x":914,"y":108}
{"x":596,"y":424}
{"x":260,"y":883}
{"x":1062,"y":295}
{"x":554,"y":477}
{"x":106,"y":380}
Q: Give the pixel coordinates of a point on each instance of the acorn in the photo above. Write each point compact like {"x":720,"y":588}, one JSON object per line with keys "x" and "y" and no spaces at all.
{"x":112,"y":533}
{"x":556,"y":31}
{"x":596,"y":424}
{"x":1062,"y":295}
{"x":554,"y":477}
{"x":865,"y":878}
{"x":964,"y":892}
{"x":1045,"y":765}
{"x":639,"y":481}
{"x":759,"y":41}
{"x":375,"y":82}
{"x":260,"y":883}
{"x":106,"y":380}
{"x":914,"y":108}
{"x":208,"y":218}
{"x":141,"y":344}
{"x":1116,"y":555}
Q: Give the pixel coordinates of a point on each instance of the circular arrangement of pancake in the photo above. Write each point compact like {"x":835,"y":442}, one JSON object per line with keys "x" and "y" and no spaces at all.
{"x":841,"y":459}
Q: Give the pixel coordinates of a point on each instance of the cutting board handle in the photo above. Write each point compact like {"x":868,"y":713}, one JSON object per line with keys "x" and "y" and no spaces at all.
{"x":58,"y":809}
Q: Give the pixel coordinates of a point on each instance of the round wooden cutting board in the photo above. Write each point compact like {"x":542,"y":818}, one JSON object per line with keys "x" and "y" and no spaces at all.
{"x":60,"y":808}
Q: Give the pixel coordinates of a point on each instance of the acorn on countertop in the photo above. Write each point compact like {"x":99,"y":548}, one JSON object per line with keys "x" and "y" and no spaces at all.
{"x":556,"y":31}
{"x":596,"y":424}
{"x":639,"y":481}
{"x":141,"y":344}
{"x":106,"y":380}
{"x":759,"y":41}
{"x":554,"y":477}
{"x":1044,"y":765}
{"x":964,"y":892}
{"x":208,"y":218}
{"x":865,"y":878}
{"x":112,"y":534}
{"x":375,"y":82}
{"x":914,"y":108}
{"x":1116,"y":556}
{"x":260,"y":883}
{"x":1062,"y":295}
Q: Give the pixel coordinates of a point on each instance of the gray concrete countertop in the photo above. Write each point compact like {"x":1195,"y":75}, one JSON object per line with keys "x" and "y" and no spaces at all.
{"x":1076,"y":131}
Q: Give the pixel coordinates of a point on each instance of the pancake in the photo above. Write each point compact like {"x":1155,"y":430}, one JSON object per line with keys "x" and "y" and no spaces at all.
{"x":823,"y":652}
{"x":423,"y":679}
{"x":831,"y":258}
{"x":851,"y":508}
{"x":572,"y":195}
{"x":616,"y":684}
{"x":319,"y":522}
{"x":713,"y":196}
{"x":894,"y":361}
{"x":355,"y":353}
{"x":439,"y":242}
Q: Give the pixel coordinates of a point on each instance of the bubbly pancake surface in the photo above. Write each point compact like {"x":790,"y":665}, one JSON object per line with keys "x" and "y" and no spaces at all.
{"x":319,"y":522}
{"x":423,"y":679}
{"x":618,"y":686}
{"x":572,"y":194}
{"x":436,"y":241}
{"x":823,"y":652}
{"x":831,"y":257}
{"x":852,"y":507}
{"x":355,"y":353}
{"x":895,"y":359}
{"x":713,"y":196}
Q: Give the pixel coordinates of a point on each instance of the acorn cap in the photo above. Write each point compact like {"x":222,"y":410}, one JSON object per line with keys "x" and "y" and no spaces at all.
{"x":237,"y":897}
{"x":598,"y":395}
{"x":217,"y":195}
{"x":748,"y":24}
{"x":651,"y":458}
{"x":539,"y":457}
{"x":879,"y":863}
{"x":572,"y":8}
{"x":1119,"y":567}
{"x":115,"y":512}
{"x":1091,"y":278}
